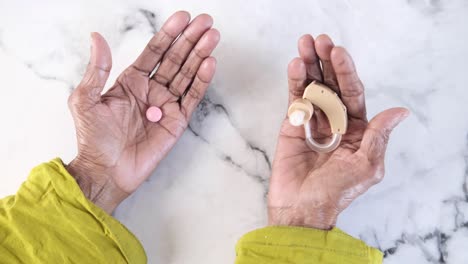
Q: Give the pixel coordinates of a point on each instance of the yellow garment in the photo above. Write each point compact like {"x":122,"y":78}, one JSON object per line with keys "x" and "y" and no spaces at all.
{"x":49,"y":220}
{"x":278,"y":244}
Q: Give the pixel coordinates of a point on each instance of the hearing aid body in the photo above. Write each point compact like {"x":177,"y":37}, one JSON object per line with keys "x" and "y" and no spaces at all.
{"x":301,"y":111}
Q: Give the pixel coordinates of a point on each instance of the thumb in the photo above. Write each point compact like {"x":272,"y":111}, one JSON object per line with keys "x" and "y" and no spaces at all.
{"x":377,"y":134}
{"x":100,"y":63}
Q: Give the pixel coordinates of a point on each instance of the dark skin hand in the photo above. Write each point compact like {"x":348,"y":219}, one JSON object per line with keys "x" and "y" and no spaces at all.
{"x":118,"y":148}
{"x":311,"y":189}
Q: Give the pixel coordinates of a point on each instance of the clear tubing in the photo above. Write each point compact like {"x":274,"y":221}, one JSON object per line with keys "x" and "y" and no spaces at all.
{"x":319,"y":147}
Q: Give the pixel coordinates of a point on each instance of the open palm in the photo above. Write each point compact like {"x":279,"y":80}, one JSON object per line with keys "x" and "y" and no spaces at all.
{"x":118,"y":148}
{"x":309,"y":188}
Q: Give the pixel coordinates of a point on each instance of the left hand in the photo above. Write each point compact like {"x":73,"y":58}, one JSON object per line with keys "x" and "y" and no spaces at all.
{"x":118,"y":148}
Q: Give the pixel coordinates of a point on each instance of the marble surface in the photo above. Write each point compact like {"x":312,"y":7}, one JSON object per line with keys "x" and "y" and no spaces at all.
{"x":211,"y":188}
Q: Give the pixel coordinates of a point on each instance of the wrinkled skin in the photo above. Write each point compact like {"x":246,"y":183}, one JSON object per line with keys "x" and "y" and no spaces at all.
{"x":310,"y":189}
{"x":118,"y":148}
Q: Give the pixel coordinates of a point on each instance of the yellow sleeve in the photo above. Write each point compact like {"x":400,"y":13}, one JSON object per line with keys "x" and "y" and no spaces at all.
{"x":279,"y":244}
{"x":49,"y":220}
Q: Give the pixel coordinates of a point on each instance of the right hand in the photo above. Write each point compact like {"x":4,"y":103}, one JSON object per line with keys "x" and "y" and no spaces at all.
{"x":310,"y":189}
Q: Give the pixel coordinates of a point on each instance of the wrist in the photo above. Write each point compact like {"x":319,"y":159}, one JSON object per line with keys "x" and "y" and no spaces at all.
{"x":96,"y":184}
{"x":293,"y":216}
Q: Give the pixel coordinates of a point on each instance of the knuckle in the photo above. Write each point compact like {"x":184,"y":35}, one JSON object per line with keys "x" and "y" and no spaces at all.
{"x":161,"y":79}
{"x":378,"y":144}
{"x":330,"y":80}
{"x":195,"y":94}
{"x":174,"y":90}
{"x":105,"y":68}
{"x":342,"y":63}
{"x":382,"y":138}
{"x":296,"y":88}
{"x":175,"y":58}
{"x":189,"y":39}
{"x":74,"y":98}
{"x":188,"y":71}
{"x":296,"y":92}
{"x":158,"y":50}
{"x":201,"y":53}
{"x":354,"y":89}
{"x":378,"y":173}
{"x":385,"y":137}
{"x":345,"y":72}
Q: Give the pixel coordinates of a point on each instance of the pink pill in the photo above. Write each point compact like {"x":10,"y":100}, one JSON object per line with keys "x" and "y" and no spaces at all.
{"x":154,"y":114}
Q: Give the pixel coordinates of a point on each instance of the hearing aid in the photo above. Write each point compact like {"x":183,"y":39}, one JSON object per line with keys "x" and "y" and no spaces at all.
{"x":317,"y":95}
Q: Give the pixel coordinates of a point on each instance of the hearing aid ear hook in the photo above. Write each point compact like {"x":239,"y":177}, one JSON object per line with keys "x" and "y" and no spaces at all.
{"x":301,"y":110}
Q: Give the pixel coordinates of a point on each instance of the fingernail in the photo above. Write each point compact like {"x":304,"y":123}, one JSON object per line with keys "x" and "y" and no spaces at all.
{"x":406,"y":113}
{"x":92,"y":36}
{"x":402,"y":117}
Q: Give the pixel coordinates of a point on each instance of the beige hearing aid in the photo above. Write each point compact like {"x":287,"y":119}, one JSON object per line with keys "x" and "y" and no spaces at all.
{"x":301,"y":110}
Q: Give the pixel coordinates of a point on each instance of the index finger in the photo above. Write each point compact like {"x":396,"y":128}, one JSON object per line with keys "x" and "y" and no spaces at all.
{"x":160,"y":43}
{"x":297,"y":78}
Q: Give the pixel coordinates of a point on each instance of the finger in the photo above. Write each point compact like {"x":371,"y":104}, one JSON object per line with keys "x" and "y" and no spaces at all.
{"x":200,"y":85}
{"x":324,"y":46}
{"x":100,"y":63}
{"x":202,"y":50}
{"x":179,"y":51}
{"x":308,"y":54}
{"x":351,"y":87}
{"x":297,"y":80}
{"x":159,"y":43}
{"x":297,"y":77}
{"x":376,"y":136}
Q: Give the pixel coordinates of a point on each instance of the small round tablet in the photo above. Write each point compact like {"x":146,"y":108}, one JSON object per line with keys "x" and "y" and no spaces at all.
{"x":154,"y":114}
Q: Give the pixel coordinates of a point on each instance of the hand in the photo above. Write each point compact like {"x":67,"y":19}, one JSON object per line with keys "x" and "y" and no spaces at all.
{"x":118,"y":148}
{"x":310,"y":189}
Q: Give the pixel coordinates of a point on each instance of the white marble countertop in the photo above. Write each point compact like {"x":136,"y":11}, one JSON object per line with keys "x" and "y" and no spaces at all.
{"x":211,"y":188}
